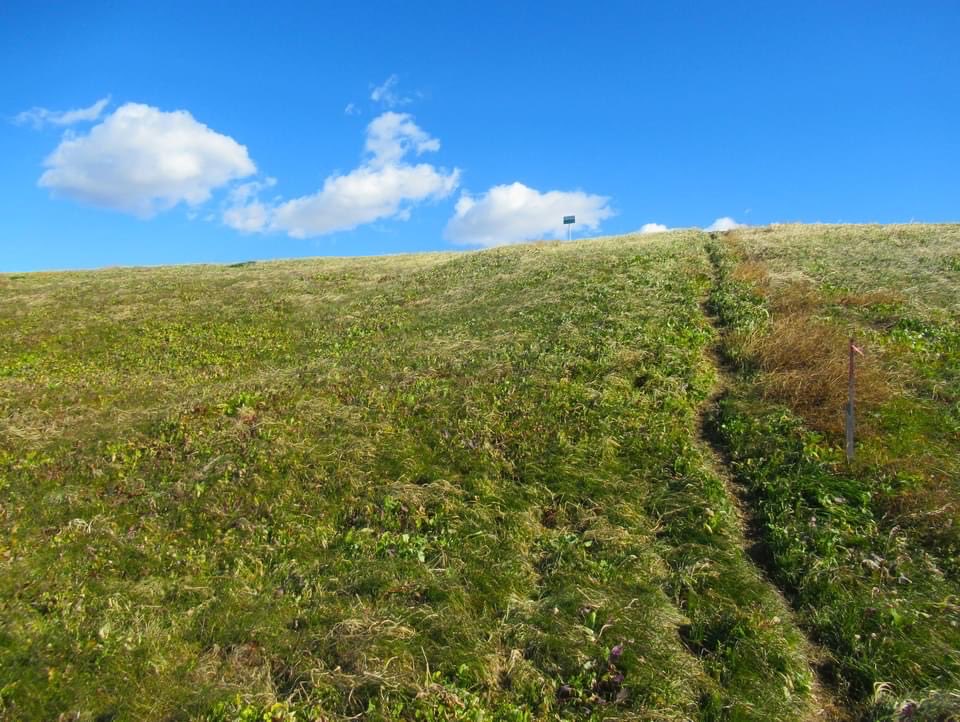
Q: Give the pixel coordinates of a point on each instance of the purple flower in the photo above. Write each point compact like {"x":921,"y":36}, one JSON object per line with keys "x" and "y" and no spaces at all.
{"x":908,"y":711}
{"x":615,"y":653}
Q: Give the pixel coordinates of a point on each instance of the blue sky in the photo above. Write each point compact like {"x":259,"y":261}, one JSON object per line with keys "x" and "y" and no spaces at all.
{"x":244,"y":130}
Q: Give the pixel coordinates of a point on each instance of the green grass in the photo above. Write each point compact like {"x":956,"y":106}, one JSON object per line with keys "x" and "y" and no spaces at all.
{"x":461,"y":486}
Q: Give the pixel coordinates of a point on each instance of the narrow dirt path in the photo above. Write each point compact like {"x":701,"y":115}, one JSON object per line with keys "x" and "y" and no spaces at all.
{"x":826,"y":703}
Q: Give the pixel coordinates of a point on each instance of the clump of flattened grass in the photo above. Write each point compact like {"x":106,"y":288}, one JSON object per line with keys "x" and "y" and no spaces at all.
{"x":881,"y":297}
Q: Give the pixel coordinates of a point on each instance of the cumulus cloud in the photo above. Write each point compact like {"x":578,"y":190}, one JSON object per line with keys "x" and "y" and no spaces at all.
{"x":38,"y":117}
{"x":142,"y":160}
{"x":388,"y":93}
{"x":514,"y":213}
{"x":385,"y":185}
{"x":726,"y":223}
{"x":653,"y":228}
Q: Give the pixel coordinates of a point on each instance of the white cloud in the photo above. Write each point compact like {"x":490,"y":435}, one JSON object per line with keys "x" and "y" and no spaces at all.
{"x":364,"y":195}
{"x":653,"y":228}
{"x":351,"y":109}
{"x":245,"y":212}
{"x":383,"y":186}
{"x":38,"y":117}
{"x":251,"y":217}
{"x":724,"y":224}
{"x":514,"y":213}
{"x":391,"y":136}
{"x":387,"y":93}
{"x":142,"y":160}
{"x":246,"y":191}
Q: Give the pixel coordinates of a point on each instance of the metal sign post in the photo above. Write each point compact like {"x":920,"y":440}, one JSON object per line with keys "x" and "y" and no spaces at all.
{"x":851,"y":389}
{"x":568,"y":221}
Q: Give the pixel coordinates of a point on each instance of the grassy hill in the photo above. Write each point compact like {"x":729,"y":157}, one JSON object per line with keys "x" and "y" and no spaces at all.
{"x":594,"y":480}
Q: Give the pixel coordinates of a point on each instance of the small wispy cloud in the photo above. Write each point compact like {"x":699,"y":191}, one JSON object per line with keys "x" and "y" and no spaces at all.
{"x":39,"y":117}
{"x":653,"y":228}
{"x":726,"y":223}
{"x":351,"y":109}
{"x":388,"y":94}
{"x":245,"y":212}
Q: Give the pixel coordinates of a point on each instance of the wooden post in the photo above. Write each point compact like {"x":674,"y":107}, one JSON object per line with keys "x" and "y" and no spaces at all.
{"x":851,"y":397}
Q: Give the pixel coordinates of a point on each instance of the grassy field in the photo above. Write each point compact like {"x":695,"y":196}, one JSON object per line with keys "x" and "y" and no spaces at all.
{"x":590,"y":480}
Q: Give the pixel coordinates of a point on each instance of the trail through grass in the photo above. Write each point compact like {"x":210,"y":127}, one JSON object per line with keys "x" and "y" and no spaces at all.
{"x":826,"y":704}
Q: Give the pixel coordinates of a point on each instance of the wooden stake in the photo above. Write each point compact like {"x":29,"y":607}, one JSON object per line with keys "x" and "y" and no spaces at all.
{"x":851,"y":397}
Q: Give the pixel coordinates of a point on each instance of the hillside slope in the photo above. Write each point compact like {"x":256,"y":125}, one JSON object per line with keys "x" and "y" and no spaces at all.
{"x":486,"y":485}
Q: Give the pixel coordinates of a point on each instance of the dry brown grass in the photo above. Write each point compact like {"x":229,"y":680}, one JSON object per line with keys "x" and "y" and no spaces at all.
{"x":795,"y":297}
{"x":753,"y":272}
{"x":866,"y":299}
{"x":804,"y":362}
